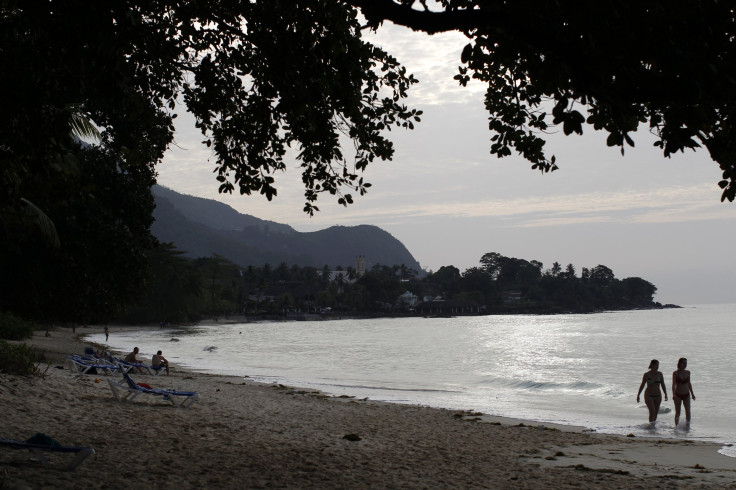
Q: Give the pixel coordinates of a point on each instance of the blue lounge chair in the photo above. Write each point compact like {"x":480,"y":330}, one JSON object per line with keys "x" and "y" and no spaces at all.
{"x":39,"y":449}
{"x":82,"y":365}
{"x":128,"y":390}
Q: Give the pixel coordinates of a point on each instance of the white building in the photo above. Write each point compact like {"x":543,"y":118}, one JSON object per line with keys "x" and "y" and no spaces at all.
{"x":408,"y":299}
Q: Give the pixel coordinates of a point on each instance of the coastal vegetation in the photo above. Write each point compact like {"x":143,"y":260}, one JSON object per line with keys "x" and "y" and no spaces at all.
{"x":21,"y":359}
{"x":185,"y":290}
{"x":14,"y":328}
{"x":178,"y":289}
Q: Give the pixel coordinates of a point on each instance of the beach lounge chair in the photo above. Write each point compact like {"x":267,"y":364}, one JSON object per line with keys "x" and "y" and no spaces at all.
{"x":80,"y":365}
{"x":40,"y":449}
{"x":129,"y":366}
{"x":128,"y":390}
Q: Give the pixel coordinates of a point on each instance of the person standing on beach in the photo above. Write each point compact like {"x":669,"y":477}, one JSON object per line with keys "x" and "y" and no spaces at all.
{"x":653,"y":380}
{"x":682,"y":390}
{"x":107,"y":333}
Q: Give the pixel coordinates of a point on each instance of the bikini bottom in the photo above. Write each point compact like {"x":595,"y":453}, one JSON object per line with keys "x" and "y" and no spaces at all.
{"x":681,"y":397}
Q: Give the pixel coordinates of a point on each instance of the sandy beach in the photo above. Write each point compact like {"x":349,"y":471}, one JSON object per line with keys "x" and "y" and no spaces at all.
{"x":242,"y":434}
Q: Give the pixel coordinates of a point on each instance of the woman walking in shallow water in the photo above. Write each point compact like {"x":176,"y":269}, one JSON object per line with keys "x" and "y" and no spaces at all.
{"x":682,"y":390}
{"x":653,"y":380}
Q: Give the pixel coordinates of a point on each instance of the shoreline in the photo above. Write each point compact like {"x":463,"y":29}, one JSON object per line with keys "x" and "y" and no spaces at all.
{"x":247,"y":434}
{"x":559,"y":418}
{"x":507,"y":310}
{"x":508,"y":420}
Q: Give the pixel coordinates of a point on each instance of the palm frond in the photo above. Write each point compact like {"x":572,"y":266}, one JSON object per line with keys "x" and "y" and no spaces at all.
{"x":80,"y":125}
{"x":42,"y":222}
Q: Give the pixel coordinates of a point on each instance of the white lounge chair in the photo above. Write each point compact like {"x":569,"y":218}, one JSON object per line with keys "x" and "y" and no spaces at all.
{"x":80,"y":365}
{"x":128,"y":390}
{"x":129,"y":366}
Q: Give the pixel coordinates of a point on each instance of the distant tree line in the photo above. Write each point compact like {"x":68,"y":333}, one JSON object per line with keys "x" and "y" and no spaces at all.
{"x":180,"y":289}
{"x":510,"y":284}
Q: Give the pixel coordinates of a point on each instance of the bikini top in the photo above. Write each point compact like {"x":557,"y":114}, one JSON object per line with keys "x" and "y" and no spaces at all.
{"x":682,"y":376}
{"x":650,"y":381}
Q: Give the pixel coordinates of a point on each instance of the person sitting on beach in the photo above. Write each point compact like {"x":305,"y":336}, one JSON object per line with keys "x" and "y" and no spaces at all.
{"x":159,"y":360}
{"x":133,"y":359}
{"x":682,"y":390}
{"x":653,"y":380}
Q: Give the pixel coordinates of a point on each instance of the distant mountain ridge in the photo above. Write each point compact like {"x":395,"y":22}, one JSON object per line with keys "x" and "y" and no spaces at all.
{"x":203,"y":227}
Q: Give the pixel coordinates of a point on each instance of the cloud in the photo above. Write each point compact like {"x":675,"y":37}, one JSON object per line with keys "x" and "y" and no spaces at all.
{"x":433,"y":61}
{"x":673,"y":204}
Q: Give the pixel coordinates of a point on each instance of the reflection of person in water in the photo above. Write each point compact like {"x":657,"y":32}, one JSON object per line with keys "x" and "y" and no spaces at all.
{"x":653,"y":380}
{"x":682,"y":390}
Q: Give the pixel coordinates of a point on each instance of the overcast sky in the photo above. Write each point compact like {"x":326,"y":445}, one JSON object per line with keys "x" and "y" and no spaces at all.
{"x":449,"y":201}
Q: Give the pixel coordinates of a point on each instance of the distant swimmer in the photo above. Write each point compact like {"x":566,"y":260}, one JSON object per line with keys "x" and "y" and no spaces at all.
{"x":653,"y":380}
{"x":682,"y":390}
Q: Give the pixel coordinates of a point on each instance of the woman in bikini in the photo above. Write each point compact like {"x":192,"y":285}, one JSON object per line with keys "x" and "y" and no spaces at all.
{"x":653,"y":380}
{"x":682,"y":390}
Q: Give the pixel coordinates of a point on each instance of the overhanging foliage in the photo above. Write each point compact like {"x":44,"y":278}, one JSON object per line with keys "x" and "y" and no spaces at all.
{"x":613,"y":66}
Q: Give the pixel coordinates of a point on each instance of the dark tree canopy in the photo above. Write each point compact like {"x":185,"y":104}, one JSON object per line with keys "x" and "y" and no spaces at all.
{"x":266,"y":75}
{"x":257,"y":76}
{"x":611,"y":65}
{"x":103,"y":217}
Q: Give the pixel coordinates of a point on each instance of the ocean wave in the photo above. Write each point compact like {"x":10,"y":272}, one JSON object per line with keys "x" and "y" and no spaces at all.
{"x":728,"y":450}
{"x":325,"y":385}
{"x":531,"y":385}
{"x":387,"y":388}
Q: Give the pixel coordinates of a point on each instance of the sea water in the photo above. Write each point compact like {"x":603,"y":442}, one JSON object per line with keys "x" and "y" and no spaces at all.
{"x":581,"y":370}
